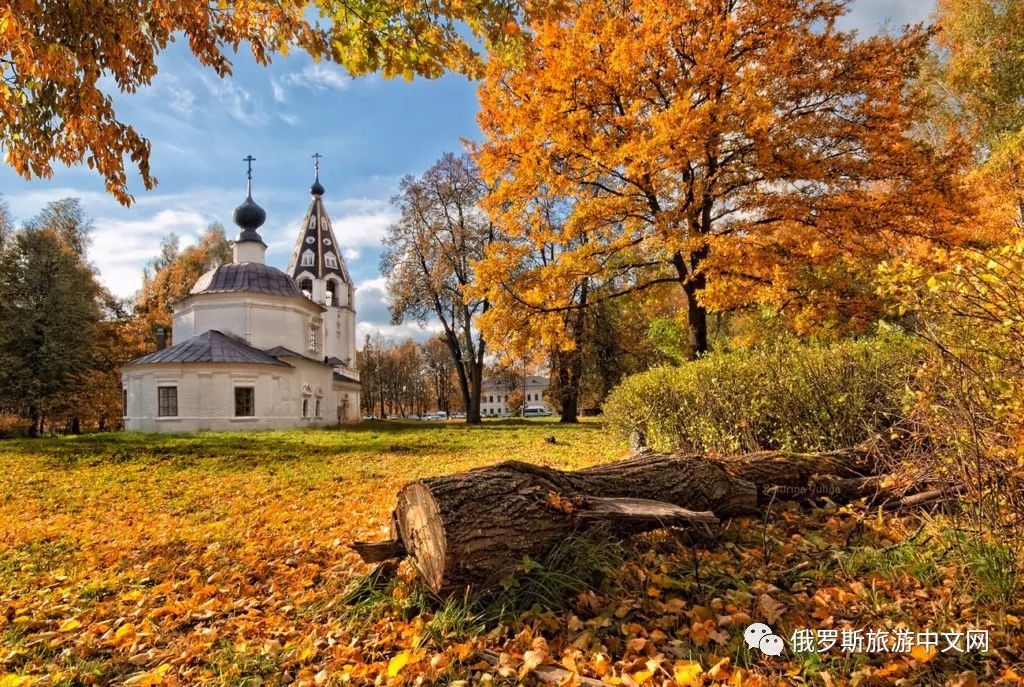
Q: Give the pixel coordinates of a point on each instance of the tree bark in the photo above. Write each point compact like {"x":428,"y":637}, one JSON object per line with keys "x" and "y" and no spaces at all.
{"x":474,"y":527}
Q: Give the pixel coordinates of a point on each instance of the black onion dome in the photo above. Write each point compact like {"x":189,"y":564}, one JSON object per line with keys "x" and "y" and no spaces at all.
{"x":247,"y":276}
{"x":317,"y":189}
{"x":249,"y":217}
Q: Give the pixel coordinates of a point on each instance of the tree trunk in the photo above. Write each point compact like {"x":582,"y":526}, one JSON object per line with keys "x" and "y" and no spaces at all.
{"x":474,"y":527}
{"x":476,"y":374}
{"x":33,"y":414}
{"x":570,"y":363}
{"x":697,"y":317}
{"x":693,"y":282}
{"x":569,"y":371}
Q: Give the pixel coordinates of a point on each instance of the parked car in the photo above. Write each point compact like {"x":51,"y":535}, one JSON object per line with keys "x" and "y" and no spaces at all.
{"x":537,"y":411}
{"x":439,"y":415}
{"x":459,"y":416}
{"x":369,"y":417}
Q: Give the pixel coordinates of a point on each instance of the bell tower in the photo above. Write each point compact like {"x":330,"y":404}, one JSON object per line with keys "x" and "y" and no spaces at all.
{"x":318,"y":267}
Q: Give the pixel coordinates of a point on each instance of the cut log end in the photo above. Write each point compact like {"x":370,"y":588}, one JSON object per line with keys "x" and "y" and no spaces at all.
{"x":420,"y":527}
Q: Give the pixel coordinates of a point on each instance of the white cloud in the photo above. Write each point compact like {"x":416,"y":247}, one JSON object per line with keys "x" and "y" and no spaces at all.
{"x":361,"y":221}
{"x":316,"y":76}
{"x":239,"y":103}
{"x":181,"y":100}
{"x":374,"y":317}
{"x":121,"y":247}
{"x":393,"y":333}
{"x":871,"y":16}
{"x":280,"y":95}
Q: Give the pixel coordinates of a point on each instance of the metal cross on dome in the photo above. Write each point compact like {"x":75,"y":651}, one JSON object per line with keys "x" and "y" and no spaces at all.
{"x":316,"y":163}
{"x":250,"y":159}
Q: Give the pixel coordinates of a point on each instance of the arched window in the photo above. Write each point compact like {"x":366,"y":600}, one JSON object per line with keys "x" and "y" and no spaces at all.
{"x":308,"y":258}
{"x":332,"y":292}
{"x":305,"y":407}
{"x":312,"y":222}
{"x":307,"y":287}
{"x":330,"y":260}
{"x":317,"y":413}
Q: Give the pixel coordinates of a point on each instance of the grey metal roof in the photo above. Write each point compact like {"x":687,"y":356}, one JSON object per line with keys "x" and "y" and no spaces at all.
{"x":281,"y":351}
{"x":247,"y":276}
{"x":209,"y":347}
{"x":339,"y":377}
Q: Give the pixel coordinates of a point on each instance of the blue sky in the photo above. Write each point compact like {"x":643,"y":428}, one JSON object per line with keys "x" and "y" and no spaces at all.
{"x":371,"y":132}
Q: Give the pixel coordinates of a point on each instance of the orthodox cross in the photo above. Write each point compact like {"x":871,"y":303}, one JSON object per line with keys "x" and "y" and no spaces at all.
{"x":249,"y":159}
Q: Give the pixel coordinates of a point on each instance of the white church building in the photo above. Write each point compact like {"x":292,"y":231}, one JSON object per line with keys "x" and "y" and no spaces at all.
{"x":255,"y":347}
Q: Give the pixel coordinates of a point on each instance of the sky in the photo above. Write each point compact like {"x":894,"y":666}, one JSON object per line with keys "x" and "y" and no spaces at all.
{"x":370,"y":131}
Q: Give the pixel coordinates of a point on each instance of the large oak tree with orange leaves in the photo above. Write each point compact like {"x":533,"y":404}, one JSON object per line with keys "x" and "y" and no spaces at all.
{"x":745,"y":151}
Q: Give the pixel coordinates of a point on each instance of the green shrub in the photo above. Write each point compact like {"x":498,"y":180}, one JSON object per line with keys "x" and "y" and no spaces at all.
{"x":789,"y":396}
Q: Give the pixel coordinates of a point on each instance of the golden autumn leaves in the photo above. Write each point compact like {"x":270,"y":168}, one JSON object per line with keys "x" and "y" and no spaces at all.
{"x":749,"y":153}
{"x":741,"y":153}
{"x":61,"y":61}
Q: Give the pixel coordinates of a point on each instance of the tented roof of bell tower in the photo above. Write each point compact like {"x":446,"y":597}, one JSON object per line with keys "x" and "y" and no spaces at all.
{"x":317,"y":252}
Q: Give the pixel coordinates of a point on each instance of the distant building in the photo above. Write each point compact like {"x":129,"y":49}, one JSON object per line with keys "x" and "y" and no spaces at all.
{"x":495,"y":395}
{"x":255,"y":347}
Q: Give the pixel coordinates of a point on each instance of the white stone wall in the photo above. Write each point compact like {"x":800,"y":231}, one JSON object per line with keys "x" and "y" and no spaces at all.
{"x":262,"y":320}
{"x":206,"y":398}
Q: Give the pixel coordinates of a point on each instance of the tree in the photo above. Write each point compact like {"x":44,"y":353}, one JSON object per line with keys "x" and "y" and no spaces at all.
{"x":170,"y":277}
{"x":48,"y":312}
{"x":6,"y":225}
{"x":742,"y":151}
{"x":519,"y":329}
{"x":428,"y":257}
{"x":980,"y":79}
{"x":60,"y":61}
{"x":437,"y":363}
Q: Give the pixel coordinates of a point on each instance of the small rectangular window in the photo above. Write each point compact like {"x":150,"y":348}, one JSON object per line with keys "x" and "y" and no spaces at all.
{"x":330,"y":260}
{"x":316,"y":411}
{"x":167,"y":401}
{"x":124,"y":402}
{"x":245,"y":401}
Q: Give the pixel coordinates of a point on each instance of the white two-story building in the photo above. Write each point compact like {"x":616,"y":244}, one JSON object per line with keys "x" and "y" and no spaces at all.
{"x":494,"y":398}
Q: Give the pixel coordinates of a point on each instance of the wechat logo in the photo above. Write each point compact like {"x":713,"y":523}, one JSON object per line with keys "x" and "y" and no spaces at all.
{"x":760,"y":636}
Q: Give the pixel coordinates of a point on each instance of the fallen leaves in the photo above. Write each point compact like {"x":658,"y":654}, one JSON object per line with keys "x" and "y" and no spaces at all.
{"x":227,"y":573}
{"x":397,"y":662}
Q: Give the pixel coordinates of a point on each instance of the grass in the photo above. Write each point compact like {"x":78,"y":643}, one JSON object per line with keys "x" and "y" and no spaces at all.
{"x":222,"y":559}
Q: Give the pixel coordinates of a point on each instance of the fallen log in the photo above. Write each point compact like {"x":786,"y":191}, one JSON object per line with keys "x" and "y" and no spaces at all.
{"x":473,"y":527}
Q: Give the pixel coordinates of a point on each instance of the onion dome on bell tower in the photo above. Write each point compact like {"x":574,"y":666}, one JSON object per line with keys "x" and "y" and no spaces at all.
{"x":317,"y":189}
{"x":249,"y":217}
